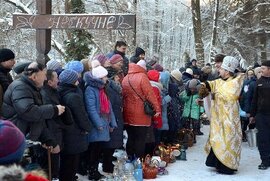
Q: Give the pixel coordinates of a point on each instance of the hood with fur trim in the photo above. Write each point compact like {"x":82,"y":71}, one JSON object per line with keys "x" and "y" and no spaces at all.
{"x":16,"y":173}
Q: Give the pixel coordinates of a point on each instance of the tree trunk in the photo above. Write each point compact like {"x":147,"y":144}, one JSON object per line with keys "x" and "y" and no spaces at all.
{"x":156,"y":28}
{"x":214,"y":33}
{"x":196,"y":18}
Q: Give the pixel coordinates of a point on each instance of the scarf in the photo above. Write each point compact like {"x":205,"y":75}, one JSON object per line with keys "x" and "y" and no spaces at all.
{"x":104,"y":102}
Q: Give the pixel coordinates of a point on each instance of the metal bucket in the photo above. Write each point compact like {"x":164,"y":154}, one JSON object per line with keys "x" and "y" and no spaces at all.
{"x":252,"y":137}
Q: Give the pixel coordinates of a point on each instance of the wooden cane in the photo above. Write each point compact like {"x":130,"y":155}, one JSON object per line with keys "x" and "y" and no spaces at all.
{"x":49,"y":164}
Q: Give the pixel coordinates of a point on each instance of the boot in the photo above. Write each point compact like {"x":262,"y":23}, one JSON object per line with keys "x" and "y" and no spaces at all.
{"x":94,"y":174}
{"x":198,"y":128}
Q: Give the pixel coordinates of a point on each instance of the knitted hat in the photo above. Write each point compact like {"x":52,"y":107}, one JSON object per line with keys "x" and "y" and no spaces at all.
{"x":68,"y":76}
{"x":116,"y":58}
{"x":189,"y":71}
{"x":192,"y":84}
{"x":19,"y":67}
{"x":75,"y":65}
{"x":142,"y":64}
{"x":97,"y":70}
{"x":101,"y":58}
{"x":257,"y":70}
{"x":229,"y":63}
{"x":266,"y":63}
{"x":139,"y":51}
{"x":6,"y":54}
{"x":53,"y":65}
{"x":153,"y":75}
{"x":158,"y":67}
{"x":176,"y":74}
{"x":12,"y":143}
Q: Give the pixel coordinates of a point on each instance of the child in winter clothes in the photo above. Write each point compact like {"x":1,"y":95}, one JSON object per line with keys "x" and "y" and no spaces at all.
{"x":100,"y":112}
{"x":191,"y":113}
{"x":151,"y":139}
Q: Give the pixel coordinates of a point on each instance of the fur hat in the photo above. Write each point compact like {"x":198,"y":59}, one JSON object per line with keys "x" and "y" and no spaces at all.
{"x":116,"y":58}
{"x":97,"y":70}
{"x":153,"y":75}
{"x":176,"y":74}
{"x":6,"y":54}
{"x":230,"y":63}
{"x":189,"y":71}
{"x":142,"y":64}
{"x":75,"y":65}
{"x":53,"y":65}
{"x":68,"y":76}
{"x":266,"y":63}
{"x":17,"y":173}
{"x":12,"y":143}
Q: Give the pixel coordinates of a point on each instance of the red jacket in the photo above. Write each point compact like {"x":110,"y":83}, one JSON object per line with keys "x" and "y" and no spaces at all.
{"x":158,"y":120}
{"x":133,"y":106}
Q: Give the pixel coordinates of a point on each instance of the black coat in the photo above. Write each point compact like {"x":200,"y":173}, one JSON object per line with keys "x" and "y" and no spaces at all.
{"x":260,"y":101}
{"x":5,"y":78}
{"x":175,"y":107}
{"x":55,"y":125}
{"x":75,"y":136}
{"x":24,"y":106}
{"x":115,"y":95}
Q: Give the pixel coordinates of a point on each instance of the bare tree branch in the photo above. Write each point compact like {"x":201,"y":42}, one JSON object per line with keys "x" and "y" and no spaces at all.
{"x":18,"y":4}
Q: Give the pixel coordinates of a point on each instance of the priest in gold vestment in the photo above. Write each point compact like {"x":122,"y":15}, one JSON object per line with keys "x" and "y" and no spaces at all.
{"x":225,"y":138}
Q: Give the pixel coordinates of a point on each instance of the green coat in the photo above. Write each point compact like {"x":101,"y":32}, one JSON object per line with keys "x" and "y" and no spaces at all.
{"x":191,"y":108}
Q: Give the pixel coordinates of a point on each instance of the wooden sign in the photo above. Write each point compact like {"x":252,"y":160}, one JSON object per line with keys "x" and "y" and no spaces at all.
{"x":75,"y":21}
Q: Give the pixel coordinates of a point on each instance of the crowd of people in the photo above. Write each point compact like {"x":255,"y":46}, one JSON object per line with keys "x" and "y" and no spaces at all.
{"x":78,"y":111}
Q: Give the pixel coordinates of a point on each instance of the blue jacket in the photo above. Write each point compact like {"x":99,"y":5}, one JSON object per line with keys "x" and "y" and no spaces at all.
{"x":93,"y":86}
{"x":164,"y":79}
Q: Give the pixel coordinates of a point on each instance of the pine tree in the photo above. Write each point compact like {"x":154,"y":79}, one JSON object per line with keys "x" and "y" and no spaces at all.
{"x":78,"y":44}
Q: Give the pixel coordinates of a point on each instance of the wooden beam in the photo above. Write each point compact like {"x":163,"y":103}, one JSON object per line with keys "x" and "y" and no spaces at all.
{"x":43,"y":36}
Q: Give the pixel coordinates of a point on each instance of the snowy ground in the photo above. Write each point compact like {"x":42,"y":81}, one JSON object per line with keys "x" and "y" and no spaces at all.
{"x":194,"y":168}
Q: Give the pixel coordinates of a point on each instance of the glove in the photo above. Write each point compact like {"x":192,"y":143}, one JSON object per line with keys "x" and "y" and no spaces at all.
{"x":243,"y":113}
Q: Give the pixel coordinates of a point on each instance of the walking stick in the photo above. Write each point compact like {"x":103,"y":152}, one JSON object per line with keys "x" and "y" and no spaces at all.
{"x":49,"y":164}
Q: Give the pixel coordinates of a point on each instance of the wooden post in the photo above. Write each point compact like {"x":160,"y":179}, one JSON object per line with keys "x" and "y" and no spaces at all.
{"x":43,"y":36}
